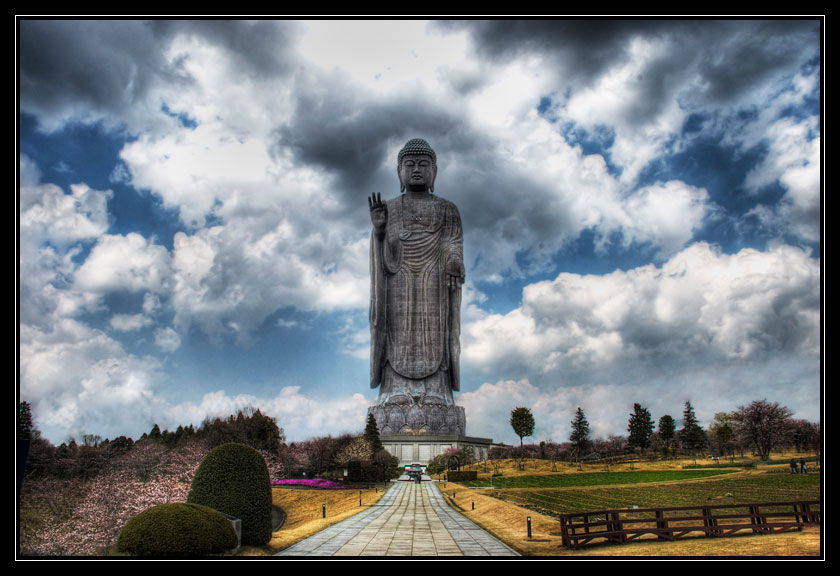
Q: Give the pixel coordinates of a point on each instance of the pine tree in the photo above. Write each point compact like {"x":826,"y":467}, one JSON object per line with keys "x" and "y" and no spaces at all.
{"x":580,"y":432}
{"x":640,"y":427}
{"x":372,"y":434}
{"x":667,"y":430}
{"x":692,"y":436}
{"x":522,"y":422}
{"x":25,"y":420}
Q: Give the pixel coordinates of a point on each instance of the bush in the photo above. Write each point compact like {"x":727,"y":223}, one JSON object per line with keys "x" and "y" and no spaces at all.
{"x":178,"y":529}
{"x":233,"y":478}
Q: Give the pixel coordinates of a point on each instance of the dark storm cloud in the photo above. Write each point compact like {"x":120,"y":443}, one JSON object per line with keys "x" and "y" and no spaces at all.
{"x":263,"y":46}
{"x":586,"y":47}
{"x":729,"y":57}
{"x":337,"y":127}
{"x":99,"y":68}
{"x":79,"y":66}
{"x":739,"y":55}
{"x":352,"y":135}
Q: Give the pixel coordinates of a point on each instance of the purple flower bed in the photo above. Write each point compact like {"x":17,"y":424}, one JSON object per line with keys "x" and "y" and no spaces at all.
{"x":310,"y":483}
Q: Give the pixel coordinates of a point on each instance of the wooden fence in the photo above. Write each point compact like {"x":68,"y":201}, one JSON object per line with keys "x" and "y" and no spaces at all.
{"x":629,"y":524}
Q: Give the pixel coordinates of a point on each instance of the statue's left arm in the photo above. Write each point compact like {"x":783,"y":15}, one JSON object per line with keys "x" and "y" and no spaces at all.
{"x":455,"y":278}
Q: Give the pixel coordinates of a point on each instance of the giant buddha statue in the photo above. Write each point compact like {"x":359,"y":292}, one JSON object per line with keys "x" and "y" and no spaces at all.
{"x":417,"y":269}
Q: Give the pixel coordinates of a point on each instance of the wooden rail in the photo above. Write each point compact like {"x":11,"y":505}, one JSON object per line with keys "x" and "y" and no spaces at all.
{"x":624,"y":525}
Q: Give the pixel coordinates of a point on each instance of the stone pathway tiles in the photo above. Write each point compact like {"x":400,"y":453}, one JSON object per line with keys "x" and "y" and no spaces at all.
{"x":409,"y":520}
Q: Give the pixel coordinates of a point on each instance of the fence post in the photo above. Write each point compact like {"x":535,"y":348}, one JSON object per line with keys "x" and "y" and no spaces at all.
{"x":709,"y":521}
{"x":661,"y":524}
{"x":756,"y":520}
{"x":617,"y":525}
{"x":806,"y":513}
{"x":529,"y":527}
{"x":564,"y":537}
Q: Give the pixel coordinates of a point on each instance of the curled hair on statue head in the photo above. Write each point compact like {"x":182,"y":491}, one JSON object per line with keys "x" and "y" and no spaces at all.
{"x":413,"y":147}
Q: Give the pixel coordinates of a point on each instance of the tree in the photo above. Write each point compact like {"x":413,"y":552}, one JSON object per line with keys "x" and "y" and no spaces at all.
{"x":580,"y":432}
{"x":667,"y":430}
{"x":522,"y":422}
{"x":692,"y":436}
{"x":640,"y":427}
{"x":722,"y":433}
{"x":764,"y":424}
{"x":805,"y":436}
{"x":25,"y":425}
{"x":372,"y":434}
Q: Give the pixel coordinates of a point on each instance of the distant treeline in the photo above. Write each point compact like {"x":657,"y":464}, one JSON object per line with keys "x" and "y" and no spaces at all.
{"x":85,"y":459}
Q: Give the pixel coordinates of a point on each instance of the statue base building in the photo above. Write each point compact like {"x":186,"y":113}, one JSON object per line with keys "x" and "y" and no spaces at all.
{"x":422,"y":448}
{"x":416,"y":433}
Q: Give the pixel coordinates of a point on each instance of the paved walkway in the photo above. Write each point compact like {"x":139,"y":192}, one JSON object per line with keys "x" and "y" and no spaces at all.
{"x":409,"y":520}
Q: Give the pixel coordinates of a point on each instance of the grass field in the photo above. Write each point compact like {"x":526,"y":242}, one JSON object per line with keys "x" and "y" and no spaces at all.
{"x":743,"y":487}
{"x":542,"y":489}
{"x":595,"y":478}
{"x":507,"y":521}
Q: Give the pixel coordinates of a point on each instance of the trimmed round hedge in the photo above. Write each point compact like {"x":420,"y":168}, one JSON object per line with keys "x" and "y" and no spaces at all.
{"x":233,"y":478}
{"x":177,"y":529}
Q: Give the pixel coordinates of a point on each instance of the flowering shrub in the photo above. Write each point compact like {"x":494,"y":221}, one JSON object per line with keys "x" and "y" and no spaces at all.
{"x":319,"y":483}
{"x":145,"y":476}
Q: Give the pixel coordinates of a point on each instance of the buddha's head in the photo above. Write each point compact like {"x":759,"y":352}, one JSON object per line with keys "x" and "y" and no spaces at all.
{"x":417,"y":166}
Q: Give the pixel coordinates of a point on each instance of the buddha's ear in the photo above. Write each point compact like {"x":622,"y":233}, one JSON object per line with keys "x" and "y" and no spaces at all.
{"x":399,"y":176}
{"x":434,"y":177}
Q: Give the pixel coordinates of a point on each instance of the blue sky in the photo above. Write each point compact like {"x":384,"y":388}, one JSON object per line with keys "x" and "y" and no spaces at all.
{"x":641,"y":203}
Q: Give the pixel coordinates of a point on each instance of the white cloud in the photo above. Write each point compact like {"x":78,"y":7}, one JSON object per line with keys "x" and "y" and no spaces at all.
{"x":81,"y":381}
{"x":299,"y":415}
{"x":129,"y":322}
{"x":47,"y":213}
{"x":151,"y":303}
{"x":231,"y":272}
{"x":665,"y":214}
{"x":130,"y":263}
{"x":167,"y":339}
{"x":53,"y":226}
{"x":643,"y":119}
{"x":698,"y":305}
{"x":793,"y":160}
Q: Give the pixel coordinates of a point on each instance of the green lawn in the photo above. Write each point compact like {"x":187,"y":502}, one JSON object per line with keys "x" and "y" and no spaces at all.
{"x":735,"y":490}
{"x":595,"y":478}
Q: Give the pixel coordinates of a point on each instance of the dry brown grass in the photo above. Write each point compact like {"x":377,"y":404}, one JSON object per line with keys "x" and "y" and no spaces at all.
{"x":536,"y":467}
{"x":303,"y":514}
{"x":508,"y":522}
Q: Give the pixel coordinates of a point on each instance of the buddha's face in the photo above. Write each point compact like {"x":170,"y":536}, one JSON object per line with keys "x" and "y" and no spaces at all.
{"x":417,"y":172}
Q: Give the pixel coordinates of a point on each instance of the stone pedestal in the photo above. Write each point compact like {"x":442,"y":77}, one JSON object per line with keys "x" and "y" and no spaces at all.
{"x":418,"y":418}
{"x":422,"y":448}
